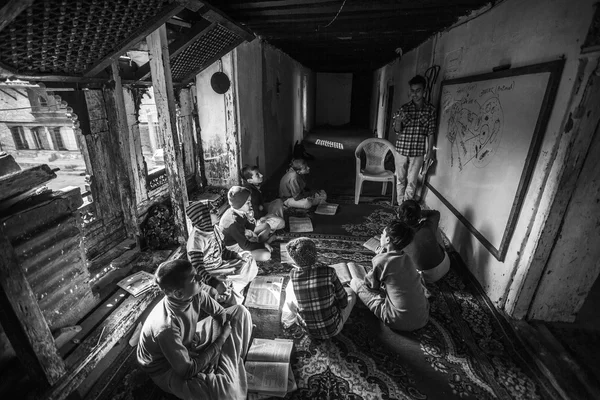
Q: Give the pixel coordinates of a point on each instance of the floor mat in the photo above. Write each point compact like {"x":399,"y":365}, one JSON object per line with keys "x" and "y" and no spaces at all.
{"x":466,"y":351}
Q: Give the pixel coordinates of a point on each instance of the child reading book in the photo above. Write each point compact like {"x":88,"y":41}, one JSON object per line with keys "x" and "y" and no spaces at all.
{"x":315,"y":297}
{"x":271,"y":213}
{"x":240,"y":231}
{"x":191,"y":346}
{"x":217,"y":266}
{"x":292,"y":187}
{"x":393,"y":290}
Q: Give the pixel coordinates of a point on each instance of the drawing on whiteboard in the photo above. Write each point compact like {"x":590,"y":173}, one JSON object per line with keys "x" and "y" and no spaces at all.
{"x":474,"y":130}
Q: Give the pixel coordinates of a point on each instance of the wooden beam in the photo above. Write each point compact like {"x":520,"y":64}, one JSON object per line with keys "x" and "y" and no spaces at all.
{"x":154,"y":23}
{"x":117,"y":121}
{"x":167,"y":125}
{"x":202,"y":67}
{"x":214,"y":15}
{"x":96,"y":346}
{"x":11,"y":10}
{"x":200,"y":174}
{"x":24,"y":180}
{"x":23,"y":321}
{"x":48,"y":208}
{"x":199,"y":29}
{"x":186,"y":129}
{"x":135,"y":145}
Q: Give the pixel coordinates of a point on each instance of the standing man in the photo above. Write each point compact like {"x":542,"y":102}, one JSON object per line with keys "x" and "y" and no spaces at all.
{"x":414,"y":123}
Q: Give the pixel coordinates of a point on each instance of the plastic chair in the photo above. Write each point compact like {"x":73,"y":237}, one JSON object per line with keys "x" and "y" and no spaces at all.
{"x":375,"y":149}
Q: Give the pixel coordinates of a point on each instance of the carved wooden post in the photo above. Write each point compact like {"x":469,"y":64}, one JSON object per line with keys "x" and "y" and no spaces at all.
{"x":135,"y":145}
{"x":164,"y":96}
{"x":199,"y":151}
{"x":117,"y":119}
{"x":186,"y":125}
{"x":23,"y":321}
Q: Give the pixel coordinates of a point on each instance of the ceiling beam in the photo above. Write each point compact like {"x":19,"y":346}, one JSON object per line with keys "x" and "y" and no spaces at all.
{"x":283,"y":3}
{"x":153,"y":24}
{"x":11,"y":10}
{"x":214,"y":15}
{"x":199,"y":29}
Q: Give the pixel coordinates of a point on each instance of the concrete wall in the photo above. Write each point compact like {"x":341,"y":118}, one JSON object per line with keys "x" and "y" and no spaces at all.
{"x":520,"y":32}
{"x":334,"y":94}
{"x":282,"y":106}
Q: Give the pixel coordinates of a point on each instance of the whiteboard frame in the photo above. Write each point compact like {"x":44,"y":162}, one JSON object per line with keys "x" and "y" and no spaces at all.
{"x":555,"y":68}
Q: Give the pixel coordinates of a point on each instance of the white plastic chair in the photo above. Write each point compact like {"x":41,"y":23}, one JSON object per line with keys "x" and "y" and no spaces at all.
{"x":375,"y":149}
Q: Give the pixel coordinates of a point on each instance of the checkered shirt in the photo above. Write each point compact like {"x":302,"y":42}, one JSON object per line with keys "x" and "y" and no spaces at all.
{"x":413,"y":126}
{"x":321,"y":297}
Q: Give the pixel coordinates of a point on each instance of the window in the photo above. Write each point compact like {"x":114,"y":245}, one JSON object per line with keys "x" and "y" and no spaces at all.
{"x":57,"y":139}
{"x":19,"y":138}
{"x":37,"y":137}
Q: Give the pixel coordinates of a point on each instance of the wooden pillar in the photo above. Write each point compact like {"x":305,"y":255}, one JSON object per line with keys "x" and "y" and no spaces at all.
{"x":186,"y":126}
{"x":122,"y":155}
{"x":199,"y":151}
{"x":23,"y":321}
{"x":164,"y":97}
{"x":231,"y":123}
{"x":135,"y":147}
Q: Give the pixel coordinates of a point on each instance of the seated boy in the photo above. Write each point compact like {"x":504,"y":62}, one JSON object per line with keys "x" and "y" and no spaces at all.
{"x":190,"y":345}
{"x":271,"y":213}
{"x":240,"y":231}
{"x":315,"y":295}
{"x":292,"y":187}
{"x":393,"y":290}
{"x":217,"y":265}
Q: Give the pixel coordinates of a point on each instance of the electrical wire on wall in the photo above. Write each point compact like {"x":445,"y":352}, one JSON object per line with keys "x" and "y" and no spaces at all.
{"x":431,"y":75}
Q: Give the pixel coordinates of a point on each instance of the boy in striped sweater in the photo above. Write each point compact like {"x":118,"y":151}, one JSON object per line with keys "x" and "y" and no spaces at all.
{"x":226,"y":271}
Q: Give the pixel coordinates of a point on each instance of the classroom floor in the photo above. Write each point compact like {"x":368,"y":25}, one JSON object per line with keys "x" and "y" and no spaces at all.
{"x":467,"y":351}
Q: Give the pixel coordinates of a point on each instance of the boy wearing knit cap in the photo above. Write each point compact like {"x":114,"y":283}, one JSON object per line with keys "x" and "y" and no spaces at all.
{"x":215,"y":264}
{"x":240,"y":232}
{"x":315,"y":294}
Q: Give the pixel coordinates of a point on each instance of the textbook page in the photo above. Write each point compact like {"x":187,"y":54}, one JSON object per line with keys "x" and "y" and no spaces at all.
{"x":284,"y":255}
{"x":267,"y":377}
{"x":373,"y":244}
{"x":326,"y":209}
{"x":265,"y":292}
{"x":343,"y":272}
{"x":138,"y":283}
{"x":270,"y":350}
{"x":300,"y":224}
{"x":357,"y":271}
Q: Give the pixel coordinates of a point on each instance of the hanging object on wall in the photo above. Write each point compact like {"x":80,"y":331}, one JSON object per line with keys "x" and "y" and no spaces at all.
{"x":220,"y":82}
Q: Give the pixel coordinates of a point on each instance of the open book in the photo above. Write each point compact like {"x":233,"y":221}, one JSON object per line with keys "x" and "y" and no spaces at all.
{"x":373,"y":244}
{"x":268,"y":368}
{"x":265,"y":292}
{"x":300,"y":224}
{"x":326,"y":209}
{"x":347,"y":271}
{"x":285,"y":257}
{"x":138,"y":283}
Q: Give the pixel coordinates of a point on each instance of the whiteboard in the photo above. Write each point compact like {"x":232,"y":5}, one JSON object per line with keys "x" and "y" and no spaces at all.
{"x":489,"y":132}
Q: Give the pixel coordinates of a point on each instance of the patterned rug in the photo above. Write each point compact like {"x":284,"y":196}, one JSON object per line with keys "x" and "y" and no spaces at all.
{"x":466,"y":351}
